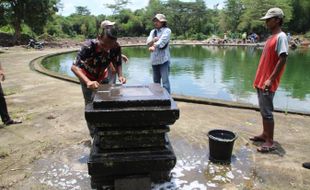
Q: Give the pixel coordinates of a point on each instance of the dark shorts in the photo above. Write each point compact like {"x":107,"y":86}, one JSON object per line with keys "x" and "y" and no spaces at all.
{"x":265,"y":102}
{"x":88,"y":98}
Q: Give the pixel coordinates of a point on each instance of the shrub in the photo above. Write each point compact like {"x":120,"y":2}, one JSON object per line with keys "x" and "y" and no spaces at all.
{"x":307,"y":35}
{"x":7,"y":29}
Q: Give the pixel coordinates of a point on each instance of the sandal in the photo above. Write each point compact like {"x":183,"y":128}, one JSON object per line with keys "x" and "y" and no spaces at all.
{"x":266,"y":149}
{"x":12,"y":122}
{"x":257,"y":139}
{"x":306,"y":165}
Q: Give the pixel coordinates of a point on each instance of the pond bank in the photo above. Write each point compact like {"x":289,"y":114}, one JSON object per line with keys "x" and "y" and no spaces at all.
{"x":47,"y":151}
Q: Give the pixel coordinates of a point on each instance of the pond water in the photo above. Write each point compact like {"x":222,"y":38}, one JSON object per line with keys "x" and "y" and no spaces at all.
{"x":223,"y":73}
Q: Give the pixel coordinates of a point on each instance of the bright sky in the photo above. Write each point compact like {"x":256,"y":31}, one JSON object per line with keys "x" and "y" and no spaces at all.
{"x":97,"y":7}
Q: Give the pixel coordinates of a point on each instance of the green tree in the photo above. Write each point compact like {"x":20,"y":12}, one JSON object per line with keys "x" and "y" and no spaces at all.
{"x":67,"y":27}
{"x":232,"y":12}
{"x":83,"y":25}
{"x":53,"y":27}
{"x":301,"y":16}
{"x":117,"y":6}
{"x":256,"y":9}
{"x":130,"y":23}
{"x":3,"y":15}
{"x":198,"y":19}
{"x":214,"y":17}
{"x":186,"y":18}
{"x":33,"y":13}
{"x":81,"y":10}
{"x":179,"y":14}
{"x":154,"y":7}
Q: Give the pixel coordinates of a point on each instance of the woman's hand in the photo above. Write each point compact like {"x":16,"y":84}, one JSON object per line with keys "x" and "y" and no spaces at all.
{"x":122,"y":79}
{"x":152,"y":48}
{"x":155,"y":39}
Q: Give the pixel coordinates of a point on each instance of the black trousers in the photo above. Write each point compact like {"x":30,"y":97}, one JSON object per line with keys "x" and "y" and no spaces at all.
{"x":3,"y":108}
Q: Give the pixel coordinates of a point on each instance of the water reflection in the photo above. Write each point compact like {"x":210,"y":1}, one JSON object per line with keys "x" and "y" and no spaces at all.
{"x":224,"y":73}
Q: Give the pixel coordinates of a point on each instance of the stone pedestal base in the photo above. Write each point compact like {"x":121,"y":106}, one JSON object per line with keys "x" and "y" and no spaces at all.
{"x":130,"y":137}
{"x":105,"y":167}
{"x":131,"y":146}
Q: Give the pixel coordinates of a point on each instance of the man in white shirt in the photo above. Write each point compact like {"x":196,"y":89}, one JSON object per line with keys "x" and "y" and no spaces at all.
{"x":158,"y":42}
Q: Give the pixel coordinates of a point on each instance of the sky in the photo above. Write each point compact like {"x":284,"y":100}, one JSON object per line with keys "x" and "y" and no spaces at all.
{"x":96,"y":7}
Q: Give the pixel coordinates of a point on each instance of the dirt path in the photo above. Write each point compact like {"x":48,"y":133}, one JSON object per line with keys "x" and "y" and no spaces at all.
{"x":47,"y":150}
{"x":47,"y":108}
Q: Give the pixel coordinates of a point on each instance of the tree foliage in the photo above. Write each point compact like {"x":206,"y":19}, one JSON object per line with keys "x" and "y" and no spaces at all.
{"x":117,"y":6}
{"x":253,"y":10}
{"x":231,"y":15}
{"x":82,"y":10}
{"x":301,"y":17}
{"x":187,"y":20}
{"x":33,"y":13}
{"x":130,"y":23}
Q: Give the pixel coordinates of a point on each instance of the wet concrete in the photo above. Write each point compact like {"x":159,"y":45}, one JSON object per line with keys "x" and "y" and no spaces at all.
{"x":67,"y":169}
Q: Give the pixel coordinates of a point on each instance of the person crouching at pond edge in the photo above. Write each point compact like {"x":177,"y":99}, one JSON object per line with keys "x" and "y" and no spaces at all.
{"x":91,"y":63}
{"x":158,"y":42}
{"x":270,"y":69}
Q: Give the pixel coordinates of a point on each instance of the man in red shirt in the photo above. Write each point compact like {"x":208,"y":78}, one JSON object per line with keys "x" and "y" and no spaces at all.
{"x":270,"y":69}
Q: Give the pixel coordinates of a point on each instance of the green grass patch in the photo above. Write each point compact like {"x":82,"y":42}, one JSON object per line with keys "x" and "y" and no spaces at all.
{"x":21,"y":114}
{"x":10,"y":91}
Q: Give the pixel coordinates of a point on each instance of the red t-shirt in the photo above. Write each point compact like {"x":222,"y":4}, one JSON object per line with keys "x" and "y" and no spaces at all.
{"x":274,"y":47}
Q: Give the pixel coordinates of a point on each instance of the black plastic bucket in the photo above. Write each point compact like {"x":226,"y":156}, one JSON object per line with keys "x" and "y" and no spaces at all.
{"x":221,"y":143}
